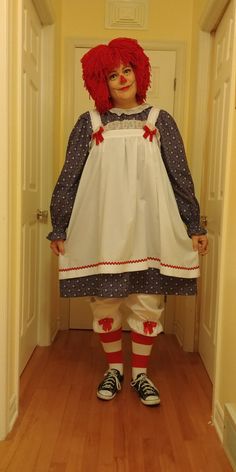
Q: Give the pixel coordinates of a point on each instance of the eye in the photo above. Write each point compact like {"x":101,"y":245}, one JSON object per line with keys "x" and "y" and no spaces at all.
{"x":127,"y":70}
{"x":113,"y":76}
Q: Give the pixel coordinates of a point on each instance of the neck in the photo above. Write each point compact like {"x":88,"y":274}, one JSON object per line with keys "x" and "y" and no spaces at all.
{"x":124,"y":104}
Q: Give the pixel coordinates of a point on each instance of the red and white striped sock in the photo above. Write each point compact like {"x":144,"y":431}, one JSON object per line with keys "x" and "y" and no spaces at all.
{"x":112,"y":345}
{"x":141,"y":350}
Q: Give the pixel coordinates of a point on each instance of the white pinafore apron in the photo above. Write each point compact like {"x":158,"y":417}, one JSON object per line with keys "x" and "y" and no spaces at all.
{"x":125,"y":217}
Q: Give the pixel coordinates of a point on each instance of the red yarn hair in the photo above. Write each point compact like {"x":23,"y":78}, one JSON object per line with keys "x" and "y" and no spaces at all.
{"x":99,"y":61}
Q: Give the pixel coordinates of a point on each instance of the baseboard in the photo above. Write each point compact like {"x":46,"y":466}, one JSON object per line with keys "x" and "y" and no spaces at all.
{"x":178,"y":331}
{"x":218,"y":420}
{"x":54,"y":334}
{"x":229,"y":437}
{"x":13,"y":411}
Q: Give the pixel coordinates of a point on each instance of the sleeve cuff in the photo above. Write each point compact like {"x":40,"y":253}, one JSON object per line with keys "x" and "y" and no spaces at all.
{"x":196,"y":230}
{"x":54,"y":235}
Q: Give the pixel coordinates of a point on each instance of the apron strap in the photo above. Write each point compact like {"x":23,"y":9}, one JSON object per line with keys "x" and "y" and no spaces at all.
{"x":152,"y":116}
{"x":95,"y":119}
{"x":150,"y":129}
{"x":97,"y":127}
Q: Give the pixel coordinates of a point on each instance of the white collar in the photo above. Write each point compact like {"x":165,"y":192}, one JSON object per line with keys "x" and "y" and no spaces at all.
{"x":130,"y":111}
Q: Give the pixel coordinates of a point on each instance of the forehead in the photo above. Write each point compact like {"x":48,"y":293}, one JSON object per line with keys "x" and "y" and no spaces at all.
{"x":120,"y":67}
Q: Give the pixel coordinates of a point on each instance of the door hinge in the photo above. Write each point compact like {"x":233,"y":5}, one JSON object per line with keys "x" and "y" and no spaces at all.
{"x":175,"y":81}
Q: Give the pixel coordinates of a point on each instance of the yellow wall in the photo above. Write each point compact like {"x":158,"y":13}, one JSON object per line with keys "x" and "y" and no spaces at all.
{"x":167,"y":20}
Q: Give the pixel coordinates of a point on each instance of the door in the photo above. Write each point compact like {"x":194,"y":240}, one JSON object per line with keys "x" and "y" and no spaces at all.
{"x":214,"y":182}
{"x":30,"y":181}
{"x":161,"y":94}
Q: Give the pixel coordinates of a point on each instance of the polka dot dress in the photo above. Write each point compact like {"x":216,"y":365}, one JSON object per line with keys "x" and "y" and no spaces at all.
{"x":173,"y":154}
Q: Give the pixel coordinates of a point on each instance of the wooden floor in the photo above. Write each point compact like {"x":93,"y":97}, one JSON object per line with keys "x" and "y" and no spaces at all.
{"x":63,"y":427}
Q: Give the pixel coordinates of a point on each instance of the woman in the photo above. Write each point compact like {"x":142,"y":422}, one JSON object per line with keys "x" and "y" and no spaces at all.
{"x":125,"y":218}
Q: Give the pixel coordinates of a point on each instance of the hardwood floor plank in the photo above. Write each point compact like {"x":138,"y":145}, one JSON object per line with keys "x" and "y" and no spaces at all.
{"x":64,"y":427}
{"x":24,"y":443}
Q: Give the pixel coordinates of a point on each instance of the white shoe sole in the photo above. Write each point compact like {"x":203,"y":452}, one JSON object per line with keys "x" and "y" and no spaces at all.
{"x":105,"y":397}
{"x":151,"y":402}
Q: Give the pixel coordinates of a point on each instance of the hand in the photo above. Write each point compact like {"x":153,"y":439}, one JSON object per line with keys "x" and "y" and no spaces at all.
{"x":58,"y":246}
{"x":200,"y":243}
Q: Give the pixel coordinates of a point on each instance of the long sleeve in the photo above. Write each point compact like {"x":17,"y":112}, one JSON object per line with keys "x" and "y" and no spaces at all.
{"x":64,"y":193}
{"x":174,"y":157}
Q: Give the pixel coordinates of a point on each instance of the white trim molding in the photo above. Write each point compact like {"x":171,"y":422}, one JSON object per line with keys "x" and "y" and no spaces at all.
{"x":4,"y":213}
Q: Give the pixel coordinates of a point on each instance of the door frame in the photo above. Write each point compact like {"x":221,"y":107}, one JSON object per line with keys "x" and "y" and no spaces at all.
{"x":10,"y":201}
{"x":4,"y":214}
{"x":209,"y":20}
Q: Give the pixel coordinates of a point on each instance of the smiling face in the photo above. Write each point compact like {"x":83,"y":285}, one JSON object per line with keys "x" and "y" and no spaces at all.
{"x":122,"y":86}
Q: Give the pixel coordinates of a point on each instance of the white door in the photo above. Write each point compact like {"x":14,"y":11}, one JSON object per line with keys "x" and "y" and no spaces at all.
{"x":214,"y":182}
{"x":31,"y":99}
{"x":161,"y":94}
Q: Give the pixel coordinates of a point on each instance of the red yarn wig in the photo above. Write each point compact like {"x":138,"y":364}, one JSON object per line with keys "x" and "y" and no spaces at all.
{"x":99,"y":61}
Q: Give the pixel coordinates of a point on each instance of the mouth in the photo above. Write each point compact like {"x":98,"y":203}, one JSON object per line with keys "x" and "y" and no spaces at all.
{"x":125,"y":88}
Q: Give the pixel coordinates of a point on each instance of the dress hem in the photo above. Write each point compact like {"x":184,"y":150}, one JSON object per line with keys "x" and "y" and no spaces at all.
{"x":129,"y":266}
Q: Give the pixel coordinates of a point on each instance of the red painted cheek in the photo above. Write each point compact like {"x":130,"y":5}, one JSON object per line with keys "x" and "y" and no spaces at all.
{"x":123,"y":80}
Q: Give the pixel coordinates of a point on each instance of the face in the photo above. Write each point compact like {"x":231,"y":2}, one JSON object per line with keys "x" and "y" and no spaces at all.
{"x":122,"y":86}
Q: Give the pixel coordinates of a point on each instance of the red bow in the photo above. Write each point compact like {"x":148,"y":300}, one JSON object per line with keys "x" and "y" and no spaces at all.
{"x":98,"y":135}
{"x":106,"y":323}
{"x":148,"y":326}
{"x":149,"y":133}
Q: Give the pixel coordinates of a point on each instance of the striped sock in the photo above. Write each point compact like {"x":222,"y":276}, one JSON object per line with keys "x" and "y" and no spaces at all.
{"x":112,"y":345}
{"x":141,"y":350}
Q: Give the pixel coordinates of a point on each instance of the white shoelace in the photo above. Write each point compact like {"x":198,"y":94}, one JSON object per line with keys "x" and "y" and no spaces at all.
{"x":142,"y":382}
{"x":108,"y":382}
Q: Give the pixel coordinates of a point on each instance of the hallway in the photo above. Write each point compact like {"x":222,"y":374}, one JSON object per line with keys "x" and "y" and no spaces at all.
{"x":63,"y":427}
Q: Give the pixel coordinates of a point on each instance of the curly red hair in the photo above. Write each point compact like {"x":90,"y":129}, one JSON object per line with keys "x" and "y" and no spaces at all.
{"x":99,"y":61}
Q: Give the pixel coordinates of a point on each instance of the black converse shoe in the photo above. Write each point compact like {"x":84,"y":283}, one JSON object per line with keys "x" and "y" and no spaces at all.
{"x":148,"y":393}
{"x":110,"y":385}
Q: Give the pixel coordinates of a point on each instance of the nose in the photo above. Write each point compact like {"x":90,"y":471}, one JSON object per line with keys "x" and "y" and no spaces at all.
{"x":123,"y":80}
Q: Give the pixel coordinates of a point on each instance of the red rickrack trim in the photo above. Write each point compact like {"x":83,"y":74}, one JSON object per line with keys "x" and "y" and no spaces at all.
{"x":98,"y":135}
{"x":129,"y":262}
{"x":149,"y":133}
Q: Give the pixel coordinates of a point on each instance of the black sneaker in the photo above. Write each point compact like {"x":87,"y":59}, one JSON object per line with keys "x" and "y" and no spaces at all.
{"x":148,"y":393}
{"x":110,"y":385}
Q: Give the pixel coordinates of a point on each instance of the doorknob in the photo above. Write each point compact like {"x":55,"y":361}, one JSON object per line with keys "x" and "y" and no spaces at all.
{"x":203,"y":220}
{"x":42,"y":216}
